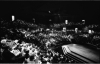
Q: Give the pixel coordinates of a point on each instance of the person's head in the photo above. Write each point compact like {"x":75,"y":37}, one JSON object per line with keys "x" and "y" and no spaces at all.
{"x":31,"y":58}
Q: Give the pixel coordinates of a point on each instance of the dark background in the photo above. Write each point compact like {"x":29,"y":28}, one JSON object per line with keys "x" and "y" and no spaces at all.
{"x":71,"y":10}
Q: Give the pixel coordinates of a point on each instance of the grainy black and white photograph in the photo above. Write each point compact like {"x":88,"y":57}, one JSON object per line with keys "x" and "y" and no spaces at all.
{"x":49,"y":32}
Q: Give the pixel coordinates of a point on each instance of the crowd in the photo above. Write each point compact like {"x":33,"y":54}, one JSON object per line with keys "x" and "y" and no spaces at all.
{"x":23,"y":42}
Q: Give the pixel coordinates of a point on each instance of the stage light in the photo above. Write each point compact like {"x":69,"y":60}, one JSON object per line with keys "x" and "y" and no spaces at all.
{"x":89,"y":31}
{"x":66,"y":21}
{"x":83,"y":20}
{"x":13,"y":17}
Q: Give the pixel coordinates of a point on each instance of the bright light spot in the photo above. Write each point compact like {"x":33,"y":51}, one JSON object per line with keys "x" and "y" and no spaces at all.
{"x":89,"y":31}
{"x":83,"y":20}
{"x":66,"y":21}
{"x":13,"y":17}
{"x":49,"y":11}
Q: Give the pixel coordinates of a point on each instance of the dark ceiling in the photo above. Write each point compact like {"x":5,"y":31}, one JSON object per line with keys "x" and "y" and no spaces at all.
{"x":87,"y":10}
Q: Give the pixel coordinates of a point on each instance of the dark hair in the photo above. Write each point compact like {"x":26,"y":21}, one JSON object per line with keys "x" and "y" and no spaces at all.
{"x":31,"y":58}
